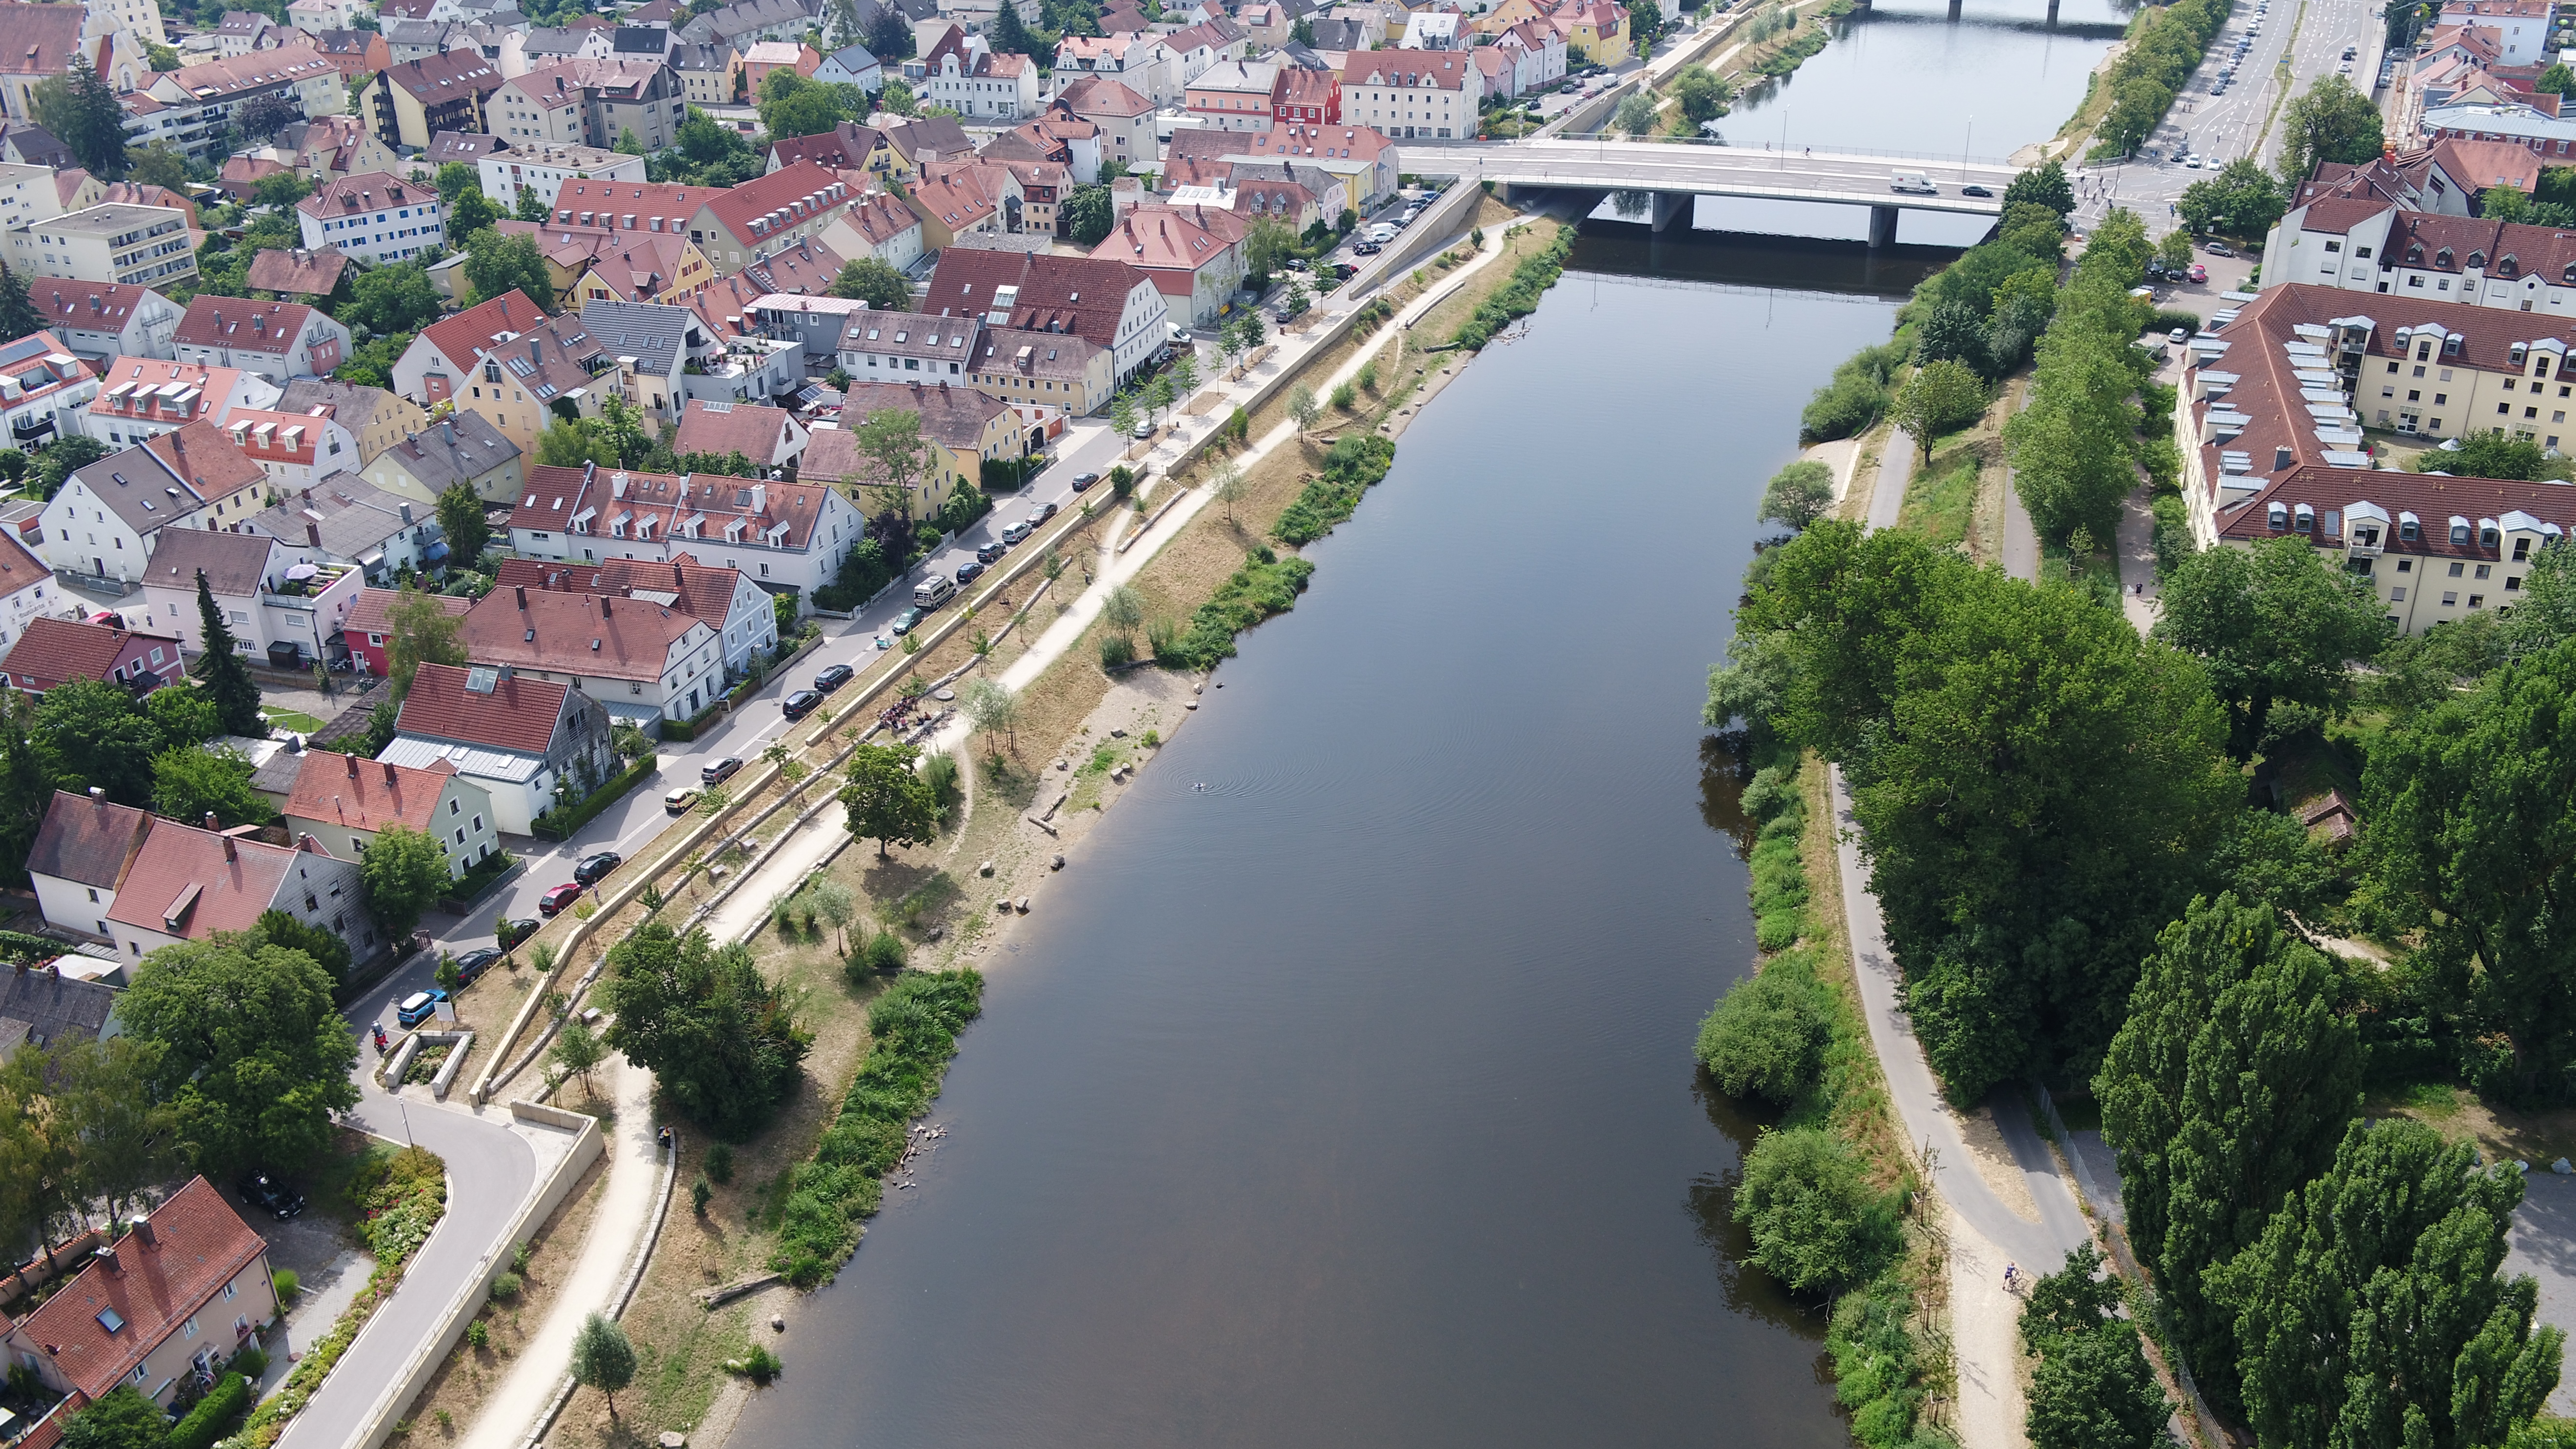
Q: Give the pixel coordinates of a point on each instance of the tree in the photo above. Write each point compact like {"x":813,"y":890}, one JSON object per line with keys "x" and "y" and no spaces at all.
{"x":190,"y":783}
{"x":1939,"y":396}
{"x":2045,"y":184}
{"x":720,"y":1039}
{"x":2369,"y":1313}
{"x":2174,"y":252}
{"x":1123,"y":610}
{"x":1303,"y":407}
{"x":34,"y":1166}
{"x":254,"y":1056}
{"x":992,"y":709}
{"x":2033,"y":229}
{"x":790,"y":105}
{"x":1010,"y":35}
{"x":1952,"y":332}
{"x":1817,"y":1225}
{"x":123,"y":1142}
{"x":891,"y":439}
{"x":2070,"y":446}
{"x":872,"y":281}
{"x":124,"y":1419}
{"x":1122,"y":413}
{"x":887,"y":802}
{"x":1184,"y":372}
{"x":2095,"y":1391}
{"x":2557,"y":80}
{"x":419,"y":631}
{"x":496,"y":265}
{"x":327,"y":949}
{"x":2226,"y":1089}
{"x":2470,"y":842}
{"x":890,"y":39}
{"x":1226,"y":484}
{"x":896,"y":99}
{"x":1636,"y":114}
{"x":571,"y":443}
{"x":82,"y":112}
{"x":262,"y":117}
{"x":1799,"y":494}
{"x":2330,"y":122}
{"x":222,"y":673}
{"x":1703,"y":93}
{"x":2272,"y":624}
{"x":159,"y":164}
{"x":460,"y":517}
{"x":1086,"y":215}
{"x":402,"y":873}
{"x":1645,"y":25}
{"x":1767,"y":1036}
{"x":1267,"y":243}
{"x":96,"y":735}
{"x":2242,"y":199}
{"x":17,"y":308}
{"x":578,"y":1051}
{"x":837,"y":904}
{"x":26,"y":792}
{"x":63,"y":457}
{"x":1158,"y":395}
{"x":277,"y":193}
{"x":602,"y":1359}
{"x":397,"y":297}
{"x":2490,"y":455}
{"x":531,"y":206}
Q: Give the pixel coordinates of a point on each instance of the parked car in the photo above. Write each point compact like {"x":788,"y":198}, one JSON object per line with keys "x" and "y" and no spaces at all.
{"x":474,"y":963}
{"x":271,"y":1196}
{"x":679,"y":801}
{"x":1016,"y":532}
{"x":1366,"y":249}
{"x":420,"y":1006}
{"x":2178,"y":336}
{"x":2198,"y":273}
{"x":595,"y":868}
{"x":2217,"y":249}
{"x":555,"y":902}
{"x":800,"y":704}
{"x":991,"y":552}
{"x":1041,"y":514}
{"x":969,"y":571}
{"x":834,"y":677}
{"x":1084,"y":480}
{"x":904,"y":621}
{"x":513,"y":932}
{"x":721,"y":771}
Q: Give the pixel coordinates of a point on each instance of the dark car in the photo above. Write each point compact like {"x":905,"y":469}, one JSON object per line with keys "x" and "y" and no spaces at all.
{"x":904,"y":622}
{"x":991,"y":552}
{"x":834,"y":677}
{"x":513,"y":932}
{"x":721,"y":771}
{"x":1974,"y":191}
{"x":420,"y":1006}
{"x":969,"y":572}
{"x":595,"y":868}
{"x":1041,"y":513}
{"x":474,"y":963}
{"x":1366,"y":249}
{"x":556,"y":901}
{"x":1084,"y":480}
{"x":271,"y":1196}
{"x":801,"y":703}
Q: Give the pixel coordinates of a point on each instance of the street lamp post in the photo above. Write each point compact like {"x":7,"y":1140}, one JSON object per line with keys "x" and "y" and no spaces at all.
{"x":1967,"y":144}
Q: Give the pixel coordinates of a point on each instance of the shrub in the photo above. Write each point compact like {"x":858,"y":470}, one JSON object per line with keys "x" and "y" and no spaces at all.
{"x":506,"y":1287}
{"x":214,"y":1416}
{"x":1878,"y":1371}
{"x":1368,"y":376}
{"x":1352,"y":466}
{"x":1817,"y":1225}
{"x":1265,"y":585}
{"x":884,"y":952}
{"x":477,"y":1336}
{"x":284,"y":1281}
{"x":1767,"y":1036}
{"x":251,"y":1364}
{"x":1117,"y":651}
{"x":1345,"y":397}
{"x":720,"y":1162}
{"x":1518,"y":297}
{"x":699,"y":1192}
{"x":760,"y":1365}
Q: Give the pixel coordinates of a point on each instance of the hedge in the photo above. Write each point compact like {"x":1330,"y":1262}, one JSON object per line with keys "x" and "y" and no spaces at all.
{"x":213,"y":1417}
{"x":559,"y":824}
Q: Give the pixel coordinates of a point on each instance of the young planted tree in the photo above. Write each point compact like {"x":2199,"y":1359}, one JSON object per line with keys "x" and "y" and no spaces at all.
{"x":1939,"y":396}
{"x":992,"y":708}
{"x":838,"y":904}
{"x":602,"y":1358}
{"x":578,"y":1052}
{"x":1303,"y":407}
{"x":1226,"y":485}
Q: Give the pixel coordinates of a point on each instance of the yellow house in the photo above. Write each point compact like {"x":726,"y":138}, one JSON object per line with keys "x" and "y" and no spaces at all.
{"x":1506,"y":15}
{"x":374,"y":416}
{"x":1596,"y":33}
{"x":963,"y":427}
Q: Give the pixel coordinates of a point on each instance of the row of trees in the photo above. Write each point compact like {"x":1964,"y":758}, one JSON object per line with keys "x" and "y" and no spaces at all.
{"x":2075,"y":446}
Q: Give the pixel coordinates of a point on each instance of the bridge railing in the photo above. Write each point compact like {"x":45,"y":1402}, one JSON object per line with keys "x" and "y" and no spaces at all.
{"x":1996,"y":163}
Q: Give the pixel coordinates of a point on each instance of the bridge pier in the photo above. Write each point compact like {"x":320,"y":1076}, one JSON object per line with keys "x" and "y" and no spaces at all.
{"x":1672,"y":207}
{"x":1882,"y":227}
{"x":1954,"y":9}
{"x":2052,"y":13}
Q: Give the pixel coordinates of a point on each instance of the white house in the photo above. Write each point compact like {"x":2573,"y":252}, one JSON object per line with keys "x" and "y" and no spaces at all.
{"x":110,"y":515}
{"x":528,"y":742}
{"x":738,"y":610}
{"x":140,"y":399}
{"x":778,"y":535}
{"x":104,"y":320}
{"x":27,"y":591}
{"x":276,"y":341}
{"x":295,"y":450}
{"x":852,"y":65}
{"x":44,"y":391}
{"x":249,"y":575}
{"x":969,"y":77}
{"x":344,"y":801}
{"x":373,"y":217}
{"x":2521,"y":25}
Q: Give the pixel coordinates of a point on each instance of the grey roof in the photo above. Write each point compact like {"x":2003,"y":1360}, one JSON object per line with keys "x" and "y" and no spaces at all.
{"x":39,"y":1008}
{"x":744,"y":16}
{"x":556,"y":41}
{"x":652,"y":40}
{"x":649,"y":332}
{"x":276,"y":774}
{"x":138,"y":476}
{"x":403,"y":31}
{"x":349,"y":400}
{"x":353,"y":516}
{"x":235,"y":564}
{"x":467,"y":146}
{"x":482,"y":761}
{"x":911,"y":334}
{"x":854,"y":58}
{"x":1299,"y":57}
{"x":1331,"y":34}
{"x":457,"y":449}
{"x":706,"y":56}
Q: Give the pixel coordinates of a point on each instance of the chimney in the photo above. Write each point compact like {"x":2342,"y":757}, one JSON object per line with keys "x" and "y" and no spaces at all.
{"x":2280,"y":459}
{"x":107,"y":1259}
{"x":143,"y":1231}
{"x":97,"y":795}
{"x":603,"y":606}
{"x":389,"y":771}
{"x":229,"y":852}
{"x":447,"y":428}
{"x":210,"y":821}
{"x":522,"y":591}
{"x":312,"y":533}
{"x":406,"y":514}
{"x":353,"y":765}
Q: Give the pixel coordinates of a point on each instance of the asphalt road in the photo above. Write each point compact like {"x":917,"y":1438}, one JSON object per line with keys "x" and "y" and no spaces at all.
{"x":1710,"y":170}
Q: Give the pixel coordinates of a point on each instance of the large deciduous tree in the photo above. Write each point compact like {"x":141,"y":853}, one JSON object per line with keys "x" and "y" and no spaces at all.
{"x":2330,"y":121}
{"x":2273,"y":624}
{"x":1939,"y":397}
{"x":418,"y":631}
{"x":871,"y":280}
{"x":496,"y":265}
{"x":887,"y":802}
{"x":403,"y":874}
{"x":719,"y":1038}
{"x":254,"y":1057}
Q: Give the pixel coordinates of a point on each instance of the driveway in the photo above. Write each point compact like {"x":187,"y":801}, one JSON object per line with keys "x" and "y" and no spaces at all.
{"x":2542,"y":1242}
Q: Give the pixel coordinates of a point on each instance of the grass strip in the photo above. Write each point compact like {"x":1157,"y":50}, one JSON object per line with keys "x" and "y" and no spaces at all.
{"x":912,"y":1033}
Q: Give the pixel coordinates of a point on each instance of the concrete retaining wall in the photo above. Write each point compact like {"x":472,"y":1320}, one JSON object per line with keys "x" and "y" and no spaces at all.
{"x":468,"y":1294}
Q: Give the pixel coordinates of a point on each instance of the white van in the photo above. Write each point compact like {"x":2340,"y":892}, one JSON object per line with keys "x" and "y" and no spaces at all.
{"x":933,"y":591}
{"x":1912,"y":183}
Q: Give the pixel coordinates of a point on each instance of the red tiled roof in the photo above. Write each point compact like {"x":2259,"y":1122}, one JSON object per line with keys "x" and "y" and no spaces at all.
{"x":1100,"y":95}
{"x":786,"y":189}
{"x":752,"y":429}
{"x":666,"y":504}
{"x":365,"y":192}
{"x":201,"y":453}
{"x":191,"y":883}
{"x":88,"y":840}
{"x":445,"y":76}
{"x":236,"y":73}
{"x":701,"y":591}
{"x":264,"y":327}
{"x":367,"y":615}
{"x":845,"y":147}
{"x":366,"y":795}
{"x":86,"y":306}
{"x":1081,"y":295}
{"x":478,"y":328}
{"x":518,"y":715}
{"x":312,"y":273}
{"x":198,"y":1245}
{"x":569,"y":633}
{"x":51,"y":651}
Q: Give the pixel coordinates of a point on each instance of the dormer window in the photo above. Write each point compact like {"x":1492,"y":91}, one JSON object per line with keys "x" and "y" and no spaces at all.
{"x":2477,"y":260}
{"x":2442,"y":259}
{"x":2303,"y":519}
{"x":2279,"y":517}
{"x":2452,"y":344}
{"x":2410,"y":529}
{"x":2415,"y":254}
{"x":2519,"y":353}
{"x":2487,"y":534}
{"x":2507,"y":267}
{"x":2459,"y":531}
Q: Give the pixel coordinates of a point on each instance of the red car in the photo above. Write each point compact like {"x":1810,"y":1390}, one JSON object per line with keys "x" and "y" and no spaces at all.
{"x":555,"y":902}
{"x":2199,"y":273}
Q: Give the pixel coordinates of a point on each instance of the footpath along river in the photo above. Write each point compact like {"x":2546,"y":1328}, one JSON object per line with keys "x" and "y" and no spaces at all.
{"x":1349,"y":1100}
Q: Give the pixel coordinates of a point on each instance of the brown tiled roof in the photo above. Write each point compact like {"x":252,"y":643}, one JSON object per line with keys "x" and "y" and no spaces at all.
{"x":191,"y":883}
{"x":586,"y":634}
{"x":198,"y":1245}
{"x":955,"y":417}
{"x":312,"y":273}
{"x":40,"y":39}
{"x":802,"y":190}
{"x":752,"y":429}
{"x":266,"y":327}
{"x":366,"y":795}
{"x":846,"y":147}
{"x":1100,"y":95}
{"x":667,"y":503}
{"x":367,"y":614}
{"x":434,"y":79}
{"x":50,"y":651}
{"x":235,"y":564}
{"x":1084,"y":295}
{"x":806,"y":267}
{"x":85,"y":306}
{"x":91,"y":841}
{"x":200,"y":452}
{"x":518,"y":715}
{"x":365,"y":192}
{"x":701,"y":591}
{"x":214,"y":79}
{"x":19,"y":566}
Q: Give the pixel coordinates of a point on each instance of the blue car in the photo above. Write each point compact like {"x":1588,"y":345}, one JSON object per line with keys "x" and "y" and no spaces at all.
{"x":418,"y":1007}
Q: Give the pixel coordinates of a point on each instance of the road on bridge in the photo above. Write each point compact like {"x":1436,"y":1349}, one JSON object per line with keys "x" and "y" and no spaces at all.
{"x":1707,"y":170}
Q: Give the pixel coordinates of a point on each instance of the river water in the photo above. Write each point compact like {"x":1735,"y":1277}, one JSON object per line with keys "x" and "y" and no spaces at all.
{"x":1349,"y":1100}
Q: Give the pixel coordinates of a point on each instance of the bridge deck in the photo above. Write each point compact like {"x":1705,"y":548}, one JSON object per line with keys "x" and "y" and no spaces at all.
{"x":1710,"y":170}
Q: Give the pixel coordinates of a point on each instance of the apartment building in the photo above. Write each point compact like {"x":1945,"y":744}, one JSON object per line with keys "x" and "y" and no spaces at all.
{"x":375,"y":417}
{"x":274,"y":340}
{"x":544,"y":168}
{"x":1101,"y":300}
{"x":109,"y":515}
{"x":374,"y":218}
{"x":415,"y":100}
{"x":779,"y":535}
{"x":192,"y":109}
{"x":732,"y":226}
{"x":295,"y":450}
{"x":44,"y":391}
{"x":138,"y":246}
{"x":1430,"y":93}
{"x":142,"y":398}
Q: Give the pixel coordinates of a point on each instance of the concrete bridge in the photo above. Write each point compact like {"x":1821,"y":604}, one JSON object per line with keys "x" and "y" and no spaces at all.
{"x":1674,"y":172}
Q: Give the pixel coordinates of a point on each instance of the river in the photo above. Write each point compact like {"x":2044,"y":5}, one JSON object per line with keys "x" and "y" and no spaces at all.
{"x":1349,"y":1100}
